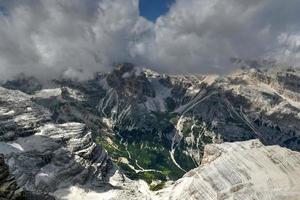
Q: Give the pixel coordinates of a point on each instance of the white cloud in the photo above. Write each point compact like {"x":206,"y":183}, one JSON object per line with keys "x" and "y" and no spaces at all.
{"x":52,"y":36}
{"x":201,"y":35}
{"x":47,"y":37}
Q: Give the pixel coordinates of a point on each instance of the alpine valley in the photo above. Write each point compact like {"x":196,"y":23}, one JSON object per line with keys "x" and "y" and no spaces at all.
{"x":136,"y":134}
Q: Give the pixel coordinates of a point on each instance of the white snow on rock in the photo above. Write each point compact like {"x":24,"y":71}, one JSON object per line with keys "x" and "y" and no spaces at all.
{"x":47,"y":93}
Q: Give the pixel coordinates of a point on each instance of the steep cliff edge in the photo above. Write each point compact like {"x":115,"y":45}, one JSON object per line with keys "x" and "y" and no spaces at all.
{"x":240,"y":171}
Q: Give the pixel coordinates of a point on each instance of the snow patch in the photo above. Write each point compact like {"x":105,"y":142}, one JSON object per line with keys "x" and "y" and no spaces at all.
{"x":47,"y":93}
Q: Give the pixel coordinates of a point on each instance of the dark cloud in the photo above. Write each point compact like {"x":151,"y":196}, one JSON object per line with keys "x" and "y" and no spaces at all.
{"x":50,"y":37}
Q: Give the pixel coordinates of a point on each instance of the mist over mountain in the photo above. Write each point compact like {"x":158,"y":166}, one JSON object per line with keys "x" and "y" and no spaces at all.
{"x":47,"y":38}
{"x":119,"y":100}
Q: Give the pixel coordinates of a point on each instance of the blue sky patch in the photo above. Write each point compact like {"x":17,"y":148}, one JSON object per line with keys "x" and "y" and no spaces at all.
{"x":3,"y":11}
{"x":152,"y":9}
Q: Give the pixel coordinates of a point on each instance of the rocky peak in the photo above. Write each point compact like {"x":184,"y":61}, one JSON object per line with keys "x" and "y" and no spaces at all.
{"x":284,"y":80}
{"x":27,"y":84}
{"x":121,"y":69}
{"x":131,"y":82}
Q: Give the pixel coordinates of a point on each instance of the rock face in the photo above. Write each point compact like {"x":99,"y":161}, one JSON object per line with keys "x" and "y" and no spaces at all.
{"x":176,"y":116}
{"x":241,"y":170}
{"x":229,"y":171}
{"x":9,"y":189}
{"x":153,"y":127}
{"x":250,"y":103}
{"x":56,"y":156}
{"x":45,"y":156}
{"x":8,"y":186}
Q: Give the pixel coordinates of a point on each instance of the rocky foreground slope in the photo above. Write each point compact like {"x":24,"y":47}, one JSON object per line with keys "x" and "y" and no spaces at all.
{"x":229,"y":171}
{"x":44,"y":156}
{"x":8,"y":186}
{"x":9,"y":189}
{"x":241,"y":170}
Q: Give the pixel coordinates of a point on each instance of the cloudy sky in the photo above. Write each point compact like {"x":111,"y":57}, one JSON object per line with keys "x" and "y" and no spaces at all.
{"x":49,"y":37}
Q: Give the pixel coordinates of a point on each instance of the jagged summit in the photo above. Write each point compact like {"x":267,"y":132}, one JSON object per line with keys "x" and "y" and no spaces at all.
{"x":126,"y":70}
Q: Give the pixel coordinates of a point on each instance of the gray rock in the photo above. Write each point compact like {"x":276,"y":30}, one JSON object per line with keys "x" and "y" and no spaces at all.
{"x":44,"y":156}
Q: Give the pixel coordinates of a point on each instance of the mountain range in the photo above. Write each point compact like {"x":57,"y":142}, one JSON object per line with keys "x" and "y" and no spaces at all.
{"x":133,"y":133}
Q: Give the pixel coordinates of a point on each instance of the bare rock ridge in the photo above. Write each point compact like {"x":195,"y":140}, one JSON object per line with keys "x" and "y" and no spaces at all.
{"x":241,"y":170}
{"x":44,"y":156}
